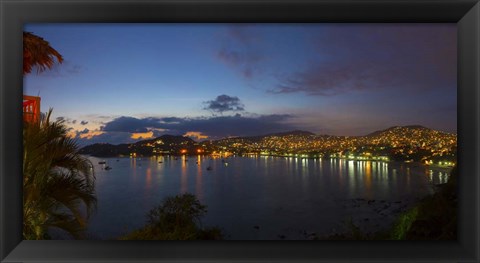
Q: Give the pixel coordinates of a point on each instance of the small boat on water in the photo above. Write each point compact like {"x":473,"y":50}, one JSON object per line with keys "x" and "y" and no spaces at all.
{"x":102,"y":162}
{"x":108,"y":168}
{"x":209,"y":168}
{"x":160,"y":162}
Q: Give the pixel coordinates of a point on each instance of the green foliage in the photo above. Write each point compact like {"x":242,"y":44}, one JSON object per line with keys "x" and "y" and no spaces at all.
{"x":176,"y":218}
{"x":57,"y":181}
{"x":404,"y":222}
{"x":181,"y":210}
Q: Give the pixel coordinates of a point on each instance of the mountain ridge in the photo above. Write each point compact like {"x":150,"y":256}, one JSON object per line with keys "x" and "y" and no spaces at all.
{"x":415,"y":126}
{"x":279,"y":134}
{"x":399,"y":142}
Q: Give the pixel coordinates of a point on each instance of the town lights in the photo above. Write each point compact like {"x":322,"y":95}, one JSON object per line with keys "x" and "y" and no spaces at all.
{"x":183,"y":151}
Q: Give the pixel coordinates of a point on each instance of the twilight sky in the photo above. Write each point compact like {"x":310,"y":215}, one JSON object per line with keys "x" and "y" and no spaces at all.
{"x":124,"y":82}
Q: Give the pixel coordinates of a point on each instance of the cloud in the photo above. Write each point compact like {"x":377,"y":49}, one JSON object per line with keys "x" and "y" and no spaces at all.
{"x":142,"y":135}
{"x":240,"y":52}
{"x":219,"y":127}
{"x":242,"y":34}
{"x":83,"y":134}
{"x":224,"y":103}
{"x":106,"y":137}
{"x":196,"y":135}
{"x":215,"y":127}
{"x":84,"y":122}
{"x":242,"y":60}
{"x":171,"y":120}
{"x":89,"y":134}
{"x":133,"y":125}
{"x":97,"y":116}
{"x":376,"y":57}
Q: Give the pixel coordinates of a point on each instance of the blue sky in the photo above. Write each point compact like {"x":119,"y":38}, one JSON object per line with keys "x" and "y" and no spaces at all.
{"x":124,"y":82}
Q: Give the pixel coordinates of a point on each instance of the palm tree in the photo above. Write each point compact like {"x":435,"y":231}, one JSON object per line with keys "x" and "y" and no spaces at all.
{"x":38,"y":52}
{"x":58,"y":183}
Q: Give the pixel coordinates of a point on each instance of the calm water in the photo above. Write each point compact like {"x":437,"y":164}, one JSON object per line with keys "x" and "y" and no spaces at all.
{"x":282,"y":196}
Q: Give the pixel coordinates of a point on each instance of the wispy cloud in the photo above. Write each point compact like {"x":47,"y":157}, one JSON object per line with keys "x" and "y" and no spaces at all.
{"x":377,"y":57}
{"x":240,"y":50}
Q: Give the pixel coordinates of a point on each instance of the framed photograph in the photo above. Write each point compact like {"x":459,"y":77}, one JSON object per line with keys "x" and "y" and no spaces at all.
{"x":247,"y":131}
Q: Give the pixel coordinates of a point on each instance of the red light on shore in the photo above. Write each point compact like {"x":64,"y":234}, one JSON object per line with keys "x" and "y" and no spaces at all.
{"x":199,"y":150}
{"x":183,"y":151}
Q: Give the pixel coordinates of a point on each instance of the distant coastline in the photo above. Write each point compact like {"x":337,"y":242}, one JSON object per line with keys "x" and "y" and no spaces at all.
{"x":408,"y":144}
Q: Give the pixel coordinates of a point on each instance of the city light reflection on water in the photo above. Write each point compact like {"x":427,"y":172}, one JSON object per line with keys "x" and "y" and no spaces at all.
{"x":277,"y":193}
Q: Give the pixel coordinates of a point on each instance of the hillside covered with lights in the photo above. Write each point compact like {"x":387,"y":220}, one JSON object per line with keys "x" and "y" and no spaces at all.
{"x":399,"y":143}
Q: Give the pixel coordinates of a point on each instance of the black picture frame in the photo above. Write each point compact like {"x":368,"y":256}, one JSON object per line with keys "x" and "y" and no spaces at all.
{"x":14,"y":14}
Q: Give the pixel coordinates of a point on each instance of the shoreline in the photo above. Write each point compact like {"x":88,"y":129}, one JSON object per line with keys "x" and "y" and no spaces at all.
{"x":416,"y":164}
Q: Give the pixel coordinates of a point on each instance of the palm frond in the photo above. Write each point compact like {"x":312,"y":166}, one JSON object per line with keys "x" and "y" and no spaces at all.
{"x":38,"y":53}
{"x":59,"y":184}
